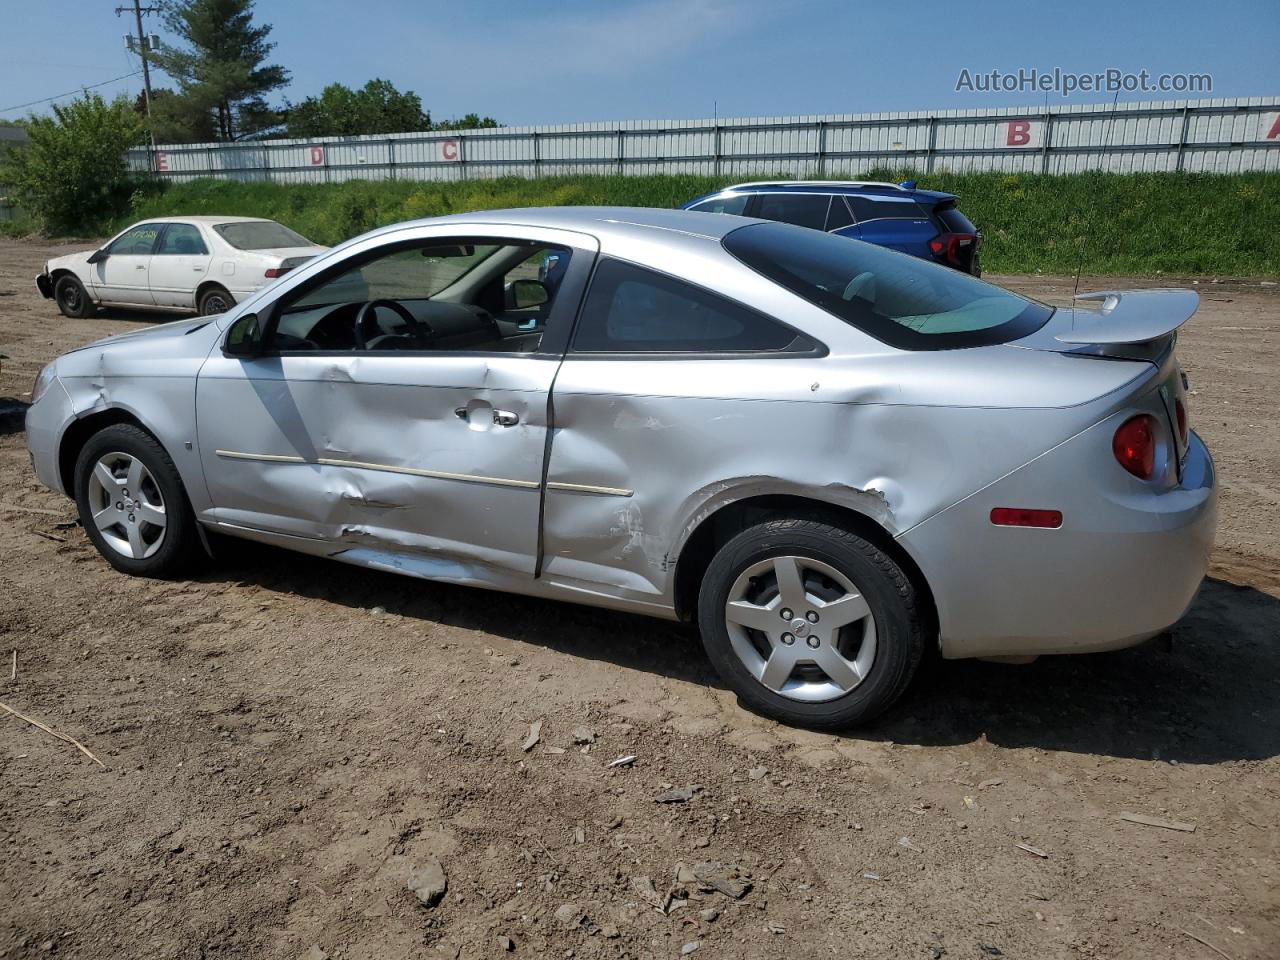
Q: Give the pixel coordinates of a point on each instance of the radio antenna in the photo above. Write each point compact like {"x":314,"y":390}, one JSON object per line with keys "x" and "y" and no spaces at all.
{"x":1084,"y":242}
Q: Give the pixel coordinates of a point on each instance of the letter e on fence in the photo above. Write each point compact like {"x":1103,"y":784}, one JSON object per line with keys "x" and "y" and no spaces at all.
{"x":1021,"y":133}
{"x":449,"y":151}
{"x":162,"y":162}
{"x":317,"y":156}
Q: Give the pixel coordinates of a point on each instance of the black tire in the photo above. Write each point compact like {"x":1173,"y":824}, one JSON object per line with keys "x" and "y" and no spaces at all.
{"x":214,"y":299}
{"x":887,"y":590}
{"x":180,"y":546}
{"x":72,"y":298}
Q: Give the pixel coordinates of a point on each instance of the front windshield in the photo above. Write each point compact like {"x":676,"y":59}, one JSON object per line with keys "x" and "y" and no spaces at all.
{"x":260,"y":235}
{"x":901,"y":300}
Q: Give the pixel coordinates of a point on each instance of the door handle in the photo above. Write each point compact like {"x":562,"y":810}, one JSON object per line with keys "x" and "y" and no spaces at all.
{"x":505,"y":418}
{"x":139,"y":266}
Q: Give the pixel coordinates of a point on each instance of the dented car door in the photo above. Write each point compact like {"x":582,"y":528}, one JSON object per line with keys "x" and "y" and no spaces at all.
{"x":425,"y":461}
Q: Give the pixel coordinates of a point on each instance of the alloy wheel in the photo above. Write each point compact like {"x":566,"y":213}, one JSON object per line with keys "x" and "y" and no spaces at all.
{"x":126,"y":505}
{"x":801,"y":628}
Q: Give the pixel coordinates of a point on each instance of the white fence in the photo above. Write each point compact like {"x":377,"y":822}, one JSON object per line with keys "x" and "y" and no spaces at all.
{"x":1219,"y":136}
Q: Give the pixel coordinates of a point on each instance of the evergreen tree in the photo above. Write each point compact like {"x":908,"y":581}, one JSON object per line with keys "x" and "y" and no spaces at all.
{"x":222,"y":73}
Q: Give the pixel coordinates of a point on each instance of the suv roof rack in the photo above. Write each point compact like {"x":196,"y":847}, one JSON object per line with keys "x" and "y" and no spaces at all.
{"x":817,"y":183}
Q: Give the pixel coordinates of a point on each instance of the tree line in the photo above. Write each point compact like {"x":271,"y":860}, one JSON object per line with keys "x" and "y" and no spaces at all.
{"x":72,"y":176}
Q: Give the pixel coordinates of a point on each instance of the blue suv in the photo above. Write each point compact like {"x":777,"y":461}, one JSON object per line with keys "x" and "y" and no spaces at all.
{"x":923,"y":223}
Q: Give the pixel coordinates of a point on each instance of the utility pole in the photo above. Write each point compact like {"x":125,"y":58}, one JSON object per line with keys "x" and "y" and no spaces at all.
{"x":138,"y":11}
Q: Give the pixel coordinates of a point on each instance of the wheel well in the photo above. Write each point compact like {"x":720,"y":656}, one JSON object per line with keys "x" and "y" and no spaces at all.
{"x":719,"y":528}
{"x":78,"y":434}
{"x":208,"y":285}
{"x":64,"y":272}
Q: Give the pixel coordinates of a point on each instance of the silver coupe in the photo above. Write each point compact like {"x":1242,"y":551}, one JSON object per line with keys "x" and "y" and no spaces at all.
{"x":827,"y":454}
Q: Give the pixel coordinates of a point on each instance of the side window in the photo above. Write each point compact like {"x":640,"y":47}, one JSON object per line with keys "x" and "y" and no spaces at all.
{"x":802,"y":209}
{"x":630,"y":309}
{"x":729,"y":203}
{"x":838,"y":216}
{"x":886,"y":208}
{"x":181,"y":239}
{"x":484,"y":296}
{"x":136,"y":241}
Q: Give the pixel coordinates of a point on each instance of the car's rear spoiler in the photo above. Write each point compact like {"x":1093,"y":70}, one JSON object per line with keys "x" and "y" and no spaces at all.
{"x":1131,"y":316}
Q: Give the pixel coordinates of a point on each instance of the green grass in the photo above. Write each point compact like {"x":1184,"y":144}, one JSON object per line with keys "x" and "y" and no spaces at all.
{"x":1142,"y":223}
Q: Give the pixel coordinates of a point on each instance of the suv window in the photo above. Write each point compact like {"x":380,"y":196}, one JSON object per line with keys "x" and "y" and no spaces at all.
{"x":802,"y":209}
{"x":839,"y":216}
{"x":136,"y":241}
{"x":635,"y":310}
{"x":867,"y":207}
{"x":735,"y":203}
{"x":897,"y":299}
{"x":181,"y":238}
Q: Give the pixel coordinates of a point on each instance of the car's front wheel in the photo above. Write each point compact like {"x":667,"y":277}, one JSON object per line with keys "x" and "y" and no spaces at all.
{"x":72,"y":298}
{"x":132,"y":503}
{"x":810,"y":624}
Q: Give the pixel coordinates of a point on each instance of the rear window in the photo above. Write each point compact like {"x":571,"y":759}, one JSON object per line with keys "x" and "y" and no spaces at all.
{"x":955,"y":221}
{"x":260,"y":235}
{"x":898,"y":299}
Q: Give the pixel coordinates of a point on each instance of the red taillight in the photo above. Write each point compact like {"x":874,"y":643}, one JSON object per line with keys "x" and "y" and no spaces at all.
{"x":1135,"y":445}
{"x":1180,"y":410}
{"x":949,"y":245}
{"x":277,"y":271}
{"x":1024,"y":517}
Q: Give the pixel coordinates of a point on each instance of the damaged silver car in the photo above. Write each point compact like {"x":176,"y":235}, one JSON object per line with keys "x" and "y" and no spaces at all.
{"x":828,"y":454}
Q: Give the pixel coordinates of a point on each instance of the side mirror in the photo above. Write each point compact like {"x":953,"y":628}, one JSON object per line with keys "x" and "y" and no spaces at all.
{"x":245,"y":338}
{"x":525,"y":293}
{"x":98,"y":256}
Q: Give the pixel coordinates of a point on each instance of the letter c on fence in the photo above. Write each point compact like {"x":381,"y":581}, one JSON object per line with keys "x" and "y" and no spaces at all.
{"x":1019,"y":133}
{"x":449,"y":150}
{"x":317,"y":156}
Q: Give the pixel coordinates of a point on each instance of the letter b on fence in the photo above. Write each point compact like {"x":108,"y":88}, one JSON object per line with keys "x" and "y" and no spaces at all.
{"x":1018,"y":133}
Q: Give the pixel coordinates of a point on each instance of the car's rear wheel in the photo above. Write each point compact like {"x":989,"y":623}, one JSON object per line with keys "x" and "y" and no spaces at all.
{"x":132,"y":503}
{"x":72,"y":298}
{"x":810,"y":624}
{"x":214,"y":299}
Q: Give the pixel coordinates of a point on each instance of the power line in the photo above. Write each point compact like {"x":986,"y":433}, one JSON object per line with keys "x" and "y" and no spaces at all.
{"x":72,"y":93}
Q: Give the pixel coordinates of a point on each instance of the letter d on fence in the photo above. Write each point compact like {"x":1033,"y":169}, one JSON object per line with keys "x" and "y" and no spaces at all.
{"x":317,"y":156}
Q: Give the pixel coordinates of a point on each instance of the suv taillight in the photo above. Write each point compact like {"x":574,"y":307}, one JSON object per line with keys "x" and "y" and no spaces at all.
{"x":951,"y":246}
{"x":1180,"y":410}
{"x":1135,"y":445}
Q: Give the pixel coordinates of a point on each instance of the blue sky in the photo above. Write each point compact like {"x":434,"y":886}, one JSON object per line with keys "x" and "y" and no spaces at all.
{"x":552,"y":61}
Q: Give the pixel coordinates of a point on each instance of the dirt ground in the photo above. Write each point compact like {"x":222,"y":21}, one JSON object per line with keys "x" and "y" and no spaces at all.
{"x":287,"y":740}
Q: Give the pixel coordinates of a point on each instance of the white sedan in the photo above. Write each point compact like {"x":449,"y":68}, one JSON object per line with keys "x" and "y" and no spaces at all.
{"x":181,"y":264}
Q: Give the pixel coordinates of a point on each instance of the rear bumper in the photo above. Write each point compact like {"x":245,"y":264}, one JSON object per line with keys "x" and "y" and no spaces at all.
{"x":1124,"y":566}
{"x":44,"y":283}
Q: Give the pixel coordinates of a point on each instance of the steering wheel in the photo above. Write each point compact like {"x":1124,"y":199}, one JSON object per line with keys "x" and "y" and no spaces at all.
{"x":419,"y":329}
